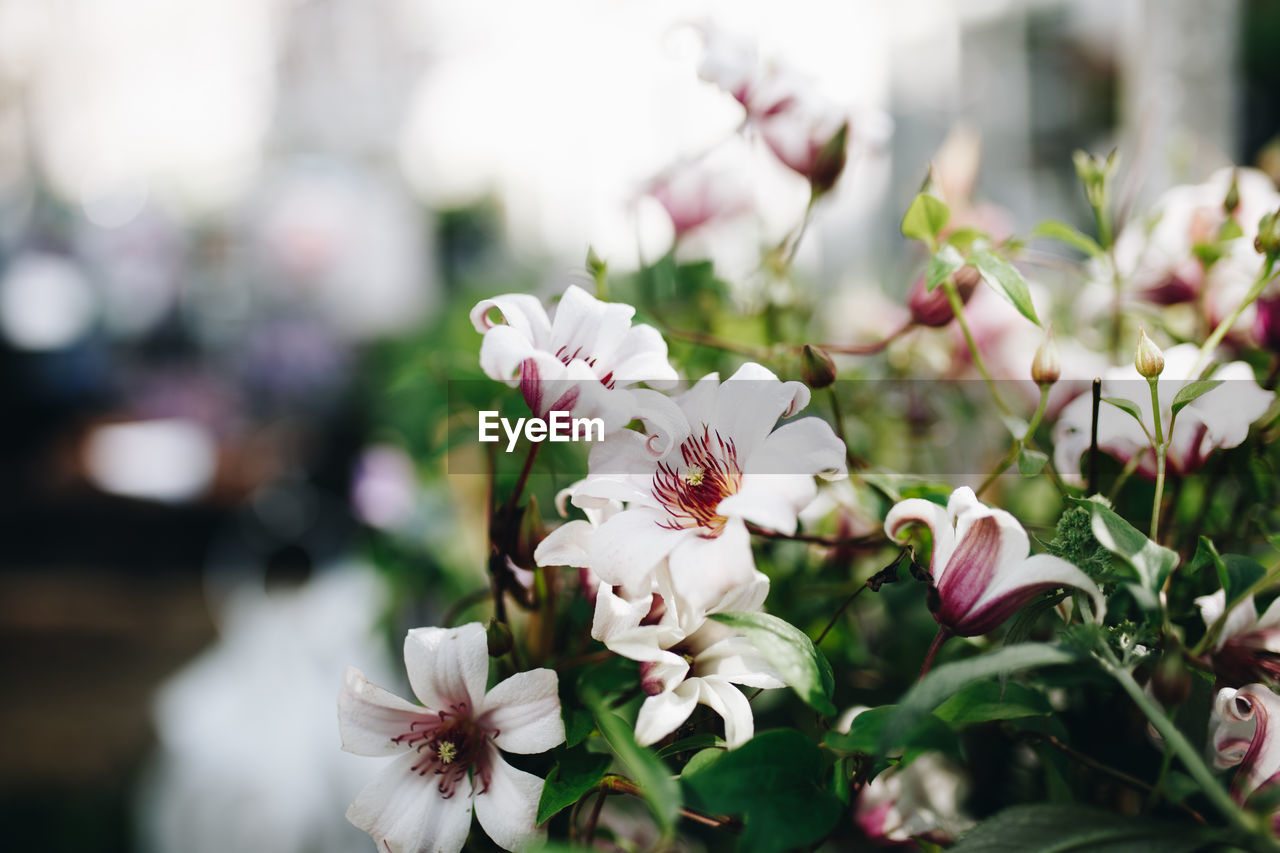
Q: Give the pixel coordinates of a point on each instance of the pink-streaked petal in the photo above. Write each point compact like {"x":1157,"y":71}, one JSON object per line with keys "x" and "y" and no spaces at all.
{"x":406,"y":813}
{"x":370,"y":717}
{"x":727,"y":701}
{"x":509,"y":808}
{"x":1261,"y":763}
{"x":1015,"y":585}
{"x":447,"y":666}
{"x":662,"y":714}
{"x":972,"y":568}
{"x":921,"y":511}
{"x":586,"y":328}
{"x":525,"y":709}
{"x":629,"y":546}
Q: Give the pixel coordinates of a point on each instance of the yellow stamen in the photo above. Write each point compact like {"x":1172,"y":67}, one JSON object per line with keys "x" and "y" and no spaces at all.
{"x":447,"y":751}
{"x":694,"y":476}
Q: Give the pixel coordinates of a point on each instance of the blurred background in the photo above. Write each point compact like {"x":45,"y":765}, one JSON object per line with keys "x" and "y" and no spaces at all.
{"x":238,"y":242}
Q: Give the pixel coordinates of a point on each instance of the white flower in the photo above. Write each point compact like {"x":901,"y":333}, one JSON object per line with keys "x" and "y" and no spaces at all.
{"x":1242,"y":732}
{"x":570,"y":543}
{"x":726,"y":466}
{"x":449,"y":760}
{"x":921,"y":800}
{"x":686,"y":659}
{"x":580,"y":361}
{"x":1248,"y":647}
{"x":1218,"y":419}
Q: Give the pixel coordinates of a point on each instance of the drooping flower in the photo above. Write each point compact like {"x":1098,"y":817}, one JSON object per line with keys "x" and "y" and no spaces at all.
{"x":686,"y":659}
{"x":1248,"y":647}
{"x":583,"y":360}
{"x":1246,"y":733}
{"x":923,"y":799}
{"x":1218,"y":419}
{"x":725,"y":467}
{"x":449,"y":760}
{"x":981,"y":569}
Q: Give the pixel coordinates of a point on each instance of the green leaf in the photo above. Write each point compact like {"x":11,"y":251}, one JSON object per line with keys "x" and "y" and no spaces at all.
{"x":1236,"y":573}
{"x":948,"y":679}
{"x":576,"y":773}
{"x":1065,"y":827}
{"x":660,"y":790}
{"x":1031,"y":462}
{"x":578,"y":724}
{"x":1191,"y":392}
{"x":1064,"y":233}
{"x":1126,"y":406}
{"x":1007,"y":281}
{"x":984,"y":701}
{"x":772,"y":781}
{"x":943,"y":263}
{"x":1152,"y":562}
{"x":929,"y":735}
{"x":790,"y":651}
{"x":925,"y":218}
{"x":693,"y":743}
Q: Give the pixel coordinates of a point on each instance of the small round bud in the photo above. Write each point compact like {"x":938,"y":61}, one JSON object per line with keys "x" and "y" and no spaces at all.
{"x":499,"y":639}
{"x":1150,"y":359}
{"x":816,"y":367}
{"x":1268,"y":239}
{"x":933,"y":309}
{"x":1046,"y":367}
{"x":1232,"y":200}
{"x":829,"y":162}
{"x":1171,"y":682}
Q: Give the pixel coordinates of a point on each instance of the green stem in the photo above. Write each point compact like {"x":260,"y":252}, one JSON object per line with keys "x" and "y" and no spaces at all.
{"x":1187,"y":754}
{"x":1220,"y":332}
{"x":1039,"y":415}
{"x":957,"y":308}
{"x":1161,"y":448}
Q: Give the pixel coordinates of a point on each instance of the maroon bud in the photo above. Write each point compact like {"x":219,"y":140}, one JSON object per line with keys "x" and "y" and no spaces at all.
{"x":1171,"y":682}
{"x":934,"y":309}
{"x":1267,"y":324}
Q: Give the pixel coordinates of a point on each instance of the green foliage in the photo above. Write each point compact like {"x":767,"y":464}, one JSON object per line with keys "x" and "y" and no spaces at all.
{"x":575,"y":773}
{"x":1061,"y":827}
{"x":1150,"y":562}
{"x":656,"y":784}
{"x":925,"y":218}
{"x":1007,"y":281}
{"x":788,"y":650}
{"x":1064,"y":233}
{"x":1074,"y":542}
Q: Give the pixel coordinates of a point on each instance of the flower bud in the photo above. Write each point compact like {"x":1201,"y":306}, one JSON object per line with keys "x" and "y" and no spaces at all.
{"x":1171,"y":682}
{"x":1150,"y":359}
{"x":829,"y":162}
{"x":1232,"y":201}
{"x":1268,"y":240}
{"x":1267,"y":324}
{"x":1046,"y":367}
{"x":816,"y":367}
{"x":934,"y":309}
{"x":498,"y":636}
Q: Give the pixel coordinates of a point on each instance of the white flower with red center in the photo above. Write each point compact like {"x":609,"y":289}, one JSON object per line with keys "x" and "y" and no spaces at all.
{"x":1247,"y":648}
{"x":581,"y":360}
{"x":982,"y":567}
{"x":1219,"y":419}
{"x":923,"y":799}
{"x":449,"y":747}
{"x":686,"y":659}
{"x":726,"y":467}
{"x":1247,"y":732}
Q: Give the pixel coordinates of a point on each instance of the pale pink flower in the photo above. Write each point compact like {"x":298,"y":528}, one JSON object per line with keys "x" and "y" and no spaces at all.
{"x":449,"y":761}
{"x":982,"y":568}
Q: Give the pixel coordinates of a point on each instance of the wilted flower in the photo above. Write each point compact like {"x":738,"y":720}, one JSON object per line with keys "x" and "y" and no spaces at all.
{"x":725,"y":467}
{"x":981,"y":571}
{"x":581,"y":361}
{"x":449,"y":760}
{"x":1218,"y":419}
{"x":1248,"y":647}
{"x":686,"y":659}
{"x":922,"y":799}
{"x":1238,"y":711}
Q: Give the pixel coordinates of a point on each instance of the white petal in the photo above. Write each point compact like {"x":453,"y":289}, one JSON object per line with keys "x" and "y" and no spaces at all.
{"x":509,"y":808}
{"x":704,"y":570}
{"x":1270,"y":618}
{"x":808,"y":446}
{"x":728,"y":701}
{"x":447,"y":666}
{"x":629,"y":546}
{"x":587,"y":328}
{"x":749,"y":404}
{"x":502,"y":352}
{"x":615,"y":614}
{"x":928,"y":513}
{"x":735,"y":659}
{"x":662,"y":714}
{"x":406,"y":813}
{"x":771,"y":501}
{"x":1230,"y":409}
{"x":567,"y":545}
{"x":525,"y":709}
{"x":369,"y":717}
{"x":522,"y":312}
{"x":642,"y":357}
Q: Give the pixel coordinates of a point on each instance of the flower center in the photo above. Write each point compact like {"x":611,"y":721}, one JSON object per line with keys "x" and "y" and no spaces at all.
{"x":691,"y":490}
{"x":450,"y":744}
{"x":566,"y":357}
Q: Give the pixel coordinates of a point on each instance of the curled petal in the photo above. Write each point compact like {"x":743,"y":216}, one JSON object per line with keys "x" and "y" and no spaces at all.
{"x":522,"y":312}
{"x":727,"y":701}
{"x":406,"y":813}
{"x":369,"y":717}
{"x":508,"y":809}
{"x":921,"y":511}
{"x":1261,"y":762}
{"x":662,"y":714}
{"x":525,"y":710}
{"x":447,"y":666}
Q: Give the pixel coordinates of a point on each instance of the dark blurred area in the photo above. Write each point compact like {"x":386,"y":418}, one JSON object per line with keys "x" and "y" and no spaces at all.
{"x":195,"y":325}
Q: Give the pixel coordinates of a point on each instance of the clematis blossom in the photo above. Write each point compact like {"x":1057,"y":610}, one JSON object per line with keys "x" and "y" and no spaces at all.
{"x":1248,"y":647}
{"x":1218,"y":419}
{"x":583,"y":360}
{"x":449,"y":761}
{"x":686,"y":659}
{"x":725,"y":466}
{"x":982,"y":569}
{"x":1246,"y":734}
{"x":920,"y":800}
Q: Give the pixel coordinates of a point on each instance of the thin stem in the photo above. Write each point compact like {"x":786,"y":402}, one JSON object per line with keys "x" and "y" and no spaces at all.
{"x":835,"y":617}
{"x":709,"y":340}
{"x":1039,"y":415}
{"x":1220,"y":332}
{"x":957,"y":308}
{"x":1005,"y":461}
{"x":1093,"y":436}
{"x":626,"y":786}
{"x":1123,"y":477}
{"x":1161,"y":449}
{"x":523,"y":479}
{"x":853,"y":462}
{"x":594,"y":818}
{"x":938,"y":639}
{"x":871,"y":348}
